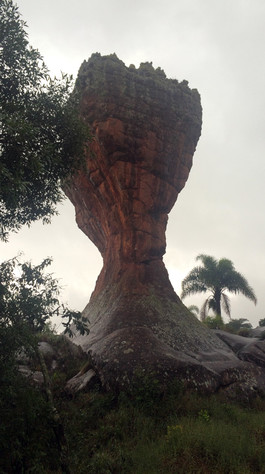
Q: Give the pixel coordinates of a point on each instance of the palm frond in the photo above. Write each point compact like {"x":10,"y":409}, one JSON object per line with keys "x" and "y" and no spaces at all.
{"x":208,"y":304}
{"x":216,"y":276}
{"x":193,"y":283}
{"x":212,"y":304}
{"x":226,"y":304}
{"x":207,"y":260}
{"x":193,"y":309}
{"x":209,"y":271}
{"x":203,"y":312}
{"x":237,"y":283}
{"x":225,"y":265}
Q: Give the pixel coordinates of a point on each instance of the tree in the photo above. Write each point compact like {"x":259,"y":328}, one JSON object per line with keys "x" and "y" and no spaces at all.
{"x":235,"y":325}
{"x":216,"y":276}
{"x":29,"y":298}
{"x":41,"y":135}
{"x":213,"y":322}
{"x":194,"y":309}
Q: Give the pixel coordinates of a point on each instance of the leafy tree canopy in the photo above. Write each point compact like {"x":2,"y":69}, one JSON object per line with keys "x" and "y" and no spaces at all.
{"x":41,"y":136}
{"x":216,"y":277}
{"x":29,"y":298}
{"x":234,"y":325}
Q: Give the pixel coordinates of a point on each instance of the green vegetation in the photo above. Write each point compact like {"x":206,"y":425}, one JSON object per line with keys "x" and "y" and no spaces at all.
{"x":144,"y":430}
{"x":41,"y":136}
{"x":238,"y":326}
{"x":235,"y":326}
{"x":176,"y":432}
{"x":214,"y":322}
{"x":28,"y":299}
{"x":194,"y":309}
{"x":216,"y":276}
{"x":44,"y":430}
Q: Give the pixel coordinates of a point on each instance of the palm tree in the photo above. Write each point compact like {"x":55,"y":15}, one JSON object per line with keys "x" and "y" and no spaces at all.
{"x":194,"y":309}
{"x":216,"y":276}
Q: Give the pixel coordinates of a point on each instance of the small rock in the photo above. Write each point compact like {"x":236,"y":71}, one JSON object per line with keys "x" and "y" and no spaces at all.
{"x":35,"y":377}
{"x":80,"y":381}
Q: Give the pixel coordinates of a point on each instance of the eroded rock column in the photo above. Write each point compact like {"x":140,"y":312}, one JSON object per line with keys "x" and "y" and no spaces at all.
{"x":146,"y":128}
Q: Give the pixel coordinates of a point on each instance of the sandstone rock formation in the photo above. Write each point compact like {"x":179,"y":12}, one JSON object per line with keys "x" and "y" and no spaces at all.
{"x":145,"y":128}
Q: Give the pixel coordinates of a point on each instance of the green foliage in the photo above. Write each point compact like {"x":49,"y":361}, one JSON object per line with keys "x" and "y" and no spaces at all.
{"x":27,"y":442}
{"x":182,"y":432}
{"x":245,"y":332}
{"x":41,"y":136}
{"x":214,"y":322}
{"x":204,"y":415}
{"x":262,"y":322}
{"x":29,"y":297}
{"x":194,"y":309}
{"x":262,"y":336}
{"x":189,"y":433}
{"x":144,"y":390}
{"x":237,"y":325}
{"x":216,"y":276}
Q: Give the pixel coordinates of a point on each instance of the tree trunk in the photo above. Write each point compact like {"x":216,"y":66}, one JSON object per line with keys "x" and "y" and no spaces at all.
{"x":217,"y":297}
{"x":56,"y":421}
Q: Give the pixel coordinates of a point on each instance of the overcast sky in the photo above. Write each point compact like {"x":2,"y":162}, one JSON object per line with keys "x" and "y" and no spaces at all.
{"x":218,"y":46}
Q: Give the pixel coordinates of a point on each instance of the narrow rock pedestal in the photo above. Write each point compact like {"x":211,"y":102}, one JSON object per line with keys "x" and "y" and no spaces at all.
{"x":145,"y":128}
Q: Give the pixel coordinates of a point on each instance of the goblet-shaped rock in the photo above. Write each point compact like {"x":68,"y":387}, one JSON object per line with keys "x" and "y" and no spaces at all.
{"x":145,"y":128}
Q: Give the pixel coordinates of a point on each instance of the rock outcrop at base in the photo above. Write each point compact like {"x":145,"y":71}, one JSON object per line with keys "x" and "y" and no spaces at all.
{"x":145,"y":130}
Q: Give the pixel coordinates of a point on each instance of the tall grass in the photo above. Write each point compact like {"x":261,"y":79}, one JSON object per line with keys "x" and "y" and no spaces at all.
{"x":181,"y":433}
{"x":141,"y":431}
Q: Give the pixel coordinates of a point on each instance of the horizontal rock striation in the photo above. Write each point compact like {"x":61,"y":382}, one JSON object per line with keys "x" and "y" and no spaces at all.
{"x":145,"y":130}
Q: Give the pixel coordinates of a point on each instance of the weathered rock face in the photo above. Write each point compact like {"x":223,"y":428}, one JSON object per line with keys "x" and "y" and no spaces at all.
{"x":145,"y":129}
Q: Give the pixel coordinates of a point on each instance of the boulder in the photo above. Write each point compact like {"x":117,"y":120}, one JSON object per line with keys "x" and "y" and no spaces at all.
{"x":81,"y":381}
{"x":249,"y":349}
{"x":59,"y":353}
